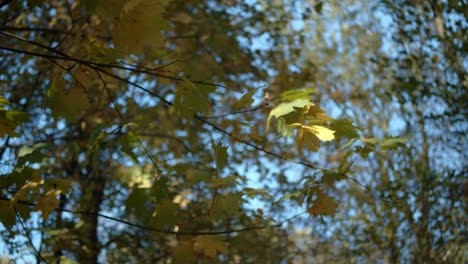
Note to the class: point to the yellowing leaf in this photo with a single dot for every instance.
(184, 253)
(286, 108)
(210, 245)
(47, 203)
(321, 132)
(323, 205)
(140, 24)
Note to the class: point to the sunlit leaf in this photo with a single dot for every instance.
(321, 132)
(286, 108)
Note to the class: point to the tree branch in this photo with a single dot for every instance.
(164, 231)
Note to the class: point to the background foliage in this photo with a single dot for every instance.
(233, 131)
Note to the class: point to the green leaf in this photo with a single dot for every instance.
(245, 101)
(7, 214)
(32, 154)
(136, 28)
(9, 120)
(69, 103)
(228, 205)
(165, 214)
(210, 245)
(7, 126)
(135, 203)
(344, 128)
(221, 155)
(290, 195)
(252, 192)
(191, 99)
(3, 101)
(292, 95)
(127, 143)
(393, 142)
(286, 108)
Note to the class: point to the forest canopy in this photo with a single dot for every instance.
(227, 131)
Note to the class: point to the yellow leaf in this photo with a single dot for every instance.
(323, 205)
(323, 133)
(47, 203)
(210, 245)
(286, 108)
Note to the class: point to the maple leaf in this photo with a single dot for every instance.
(210, 245)
(323, 205)
(47, 203)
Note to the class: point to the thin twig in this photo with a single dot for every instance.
(235, 113)
(29, 236)
(123, 120)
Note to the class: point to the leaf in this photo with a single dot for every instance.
(227, 206)
(225, 182)
(7, 214)
(32, 154)
(138, 24)
(47, 203)
(184, 253)
(221, 155)
(190, 99)
(69, 103)
(252, 192)
(371, 141)
(286, 108)
(165, 214)
(292, 95)
(89, 5)
(310, 141)
(315, 114)
(393, 142)
(7, 126)
(135, 203)
(323, 205)
(210, 245)
(330, 177)
(290, 195)
(245, 101)
(9, 120)
(127, 143)
(321, 132)
(3, 101)
(344, 128)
